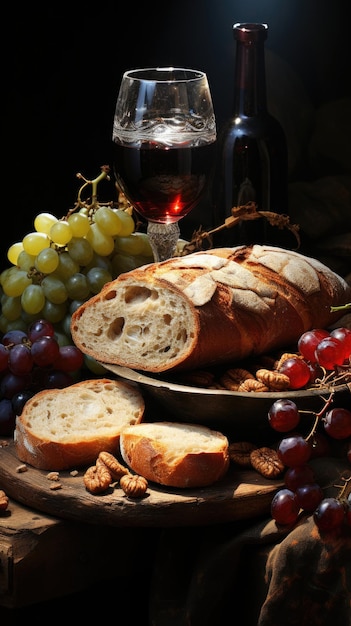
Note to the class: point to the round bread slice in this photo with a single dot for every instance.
(174, 454)
(67, 428)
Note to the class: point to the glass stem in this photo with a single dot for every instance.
(163, 239)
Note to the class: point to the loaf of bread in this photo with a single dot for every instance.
(208, 308)
(175, 455)
(67, 428)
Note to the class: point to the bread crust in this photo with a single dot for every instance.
(67, 447)
(208, 308)
(164, 462)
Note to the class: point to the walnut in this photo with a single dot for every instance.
(228, 383)
(273, 380)
(198, 378)
(266, 462)
(239, 452)
(251, 384)
(115, 468)
(97, 478)
(239, 374)
(4, 501)
(134, 486)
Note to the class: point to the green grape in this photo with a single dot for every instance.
(54, 289)
(54, 313)
(14, 282)
(61, 233)
(74, 305)
(47, 260)
(128, 225)
(66, 325)
(28, 318)
(94, 366)
(67, 266)
(14, 251)
(25, 261)
(34, 242)
(97, 278)
(62, 338)
(123, 263)
(108, 221)
(6, 325)
(33, 299)
(78, 287)
(146, 249)
(101, 243)
(133, 244)
(11, 307)
(43, 222)
(79, 224)
(99, 261)
(80, 250)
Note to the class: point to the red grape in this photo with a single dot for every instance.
(294, 450)
(283, 415)
(297, 371)
(4, 358)
(7, 417)
(344, 335)
(309, 341)
(294, 477)
(70, 359)
(20, 359)
(337, 423)
(284, 507)
(14, 337)
(329, 515)
(45, 350)
(40, 328)
(309, 496)
(329, 353)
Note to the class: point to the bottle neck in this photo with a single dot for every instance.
(250, 97)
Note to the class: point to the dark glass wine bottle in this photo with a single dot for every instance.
(252, 156)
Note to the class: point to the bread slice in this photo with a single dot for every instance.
(174, 454)
(67, 428)
(208, 308)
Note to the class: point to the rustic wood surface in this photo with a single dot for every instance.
(242, 494)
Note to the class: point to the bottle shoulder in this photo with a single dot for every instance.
(257, 127)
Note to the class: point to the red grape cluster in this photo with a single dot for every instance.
(320, 352)
(29, 362)
(301, 492)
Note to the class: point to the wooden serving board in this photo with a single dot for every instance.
(242, 494)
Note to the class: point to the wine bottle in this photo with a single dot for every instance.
(252, 157)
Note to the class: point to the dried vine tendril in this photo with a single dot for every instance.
(243, 213)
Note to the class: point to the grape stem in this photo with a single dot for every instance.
(319, 415)
(105, 170)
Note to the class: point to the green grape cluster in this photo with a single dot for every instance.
(64, 262)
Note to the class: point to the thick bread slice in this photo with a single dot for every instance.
(208, 308)
(67, 428)
(176, 455)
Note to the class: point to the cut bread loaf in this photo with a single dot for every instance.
(208, 308)
(175, 455)
(67, 428)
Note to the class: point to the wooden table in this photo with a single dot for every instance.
(241, 494)
(69, 529)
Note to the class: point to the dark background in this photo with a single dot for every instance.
(62, 67)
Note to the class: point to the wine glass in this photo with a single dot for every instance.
(164, 135)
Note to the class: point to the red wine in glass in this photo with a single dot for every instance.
(163, 184)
